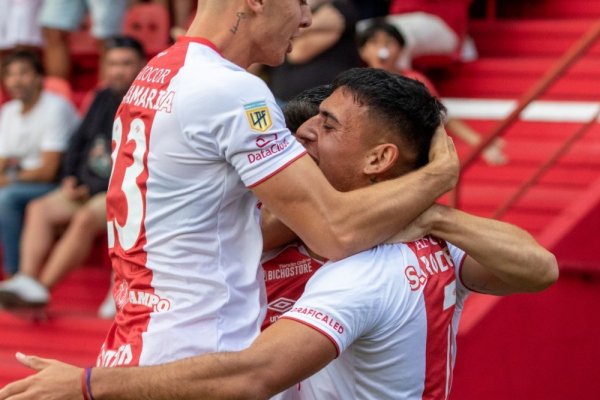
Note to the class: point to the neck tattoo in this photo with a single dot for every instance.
(240, 16)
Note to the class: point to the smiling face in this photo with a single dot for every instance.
(337, 139)
(279, 22)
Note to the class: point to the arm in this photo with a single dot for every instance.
(335, 224)
(46, 172)
(256, 373)
(326, 29)
(501, 258)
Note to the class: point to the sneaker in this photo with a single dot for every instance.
(23, 291)
(108, 308)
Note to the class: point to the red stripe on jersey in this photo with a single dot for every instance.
(286, 275)
(126, 199)
(437, 268)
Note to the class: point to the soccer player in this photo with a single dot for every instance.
(389, 313)
(195, 139)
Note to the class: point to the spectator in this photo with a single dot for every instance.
(59, 17)
(79, 204)
(321, 51)
(34, 131)
(431, 28)
(382, 45)
(181, 12)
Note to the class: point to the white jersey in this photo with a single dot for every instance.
(192, 134)
(47, 127)
(392, 313)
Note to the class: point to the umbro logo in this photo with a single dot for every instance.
(281, 305)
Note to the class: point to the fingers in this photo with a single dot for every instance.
(12, 390)
(33, 362)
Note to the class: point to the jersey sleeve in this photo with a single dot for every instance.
(245, 125)
(339, 301)
(458, 257)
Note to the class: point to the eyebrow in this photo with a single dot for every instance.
(329, 115)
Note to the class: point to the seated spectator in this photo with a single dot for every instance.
(382, 45)
(322, 50)
(59, 17)
(35, 127)
(431, 28)
(19, 26)
(78, 206)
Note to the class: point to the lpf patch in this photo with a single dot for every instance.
(258, 116)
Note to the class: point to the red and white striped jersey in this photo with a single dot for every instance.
(286, 272)
(392, 313)
(192, 134)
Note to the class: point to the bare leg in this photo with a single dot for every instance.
(43, 217)
(57, 58)
(75, 244)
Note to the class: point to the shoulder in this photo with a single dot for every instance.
(55, 103)
(10, 107)
(368, 271)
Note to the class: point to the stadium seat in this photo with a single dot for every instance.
(149, 23)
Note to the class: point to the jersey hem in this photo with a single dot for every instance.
(322, 332)
(272, 174)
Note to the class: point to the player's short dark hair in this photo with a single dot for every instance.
(125, 42)
(405, 106)
(380, 25)
(24, 56)
(305, 106)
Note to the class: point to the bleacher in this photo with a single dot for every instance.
(538, 346)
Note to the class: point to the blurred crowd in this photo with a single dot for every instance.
(55, 158)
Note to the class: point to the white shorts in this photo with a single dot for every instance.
(66, 15)
(19, 23)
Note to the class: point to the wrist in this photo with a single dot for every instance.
(443, 177)
(438, 219)
(86, 387)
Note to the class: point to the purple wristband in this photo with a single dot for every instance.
(88, 386)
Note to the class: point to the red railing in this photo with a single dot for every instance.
(553, 74)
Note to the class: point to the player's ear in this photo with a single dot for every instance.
(381, 159)
(255, 5)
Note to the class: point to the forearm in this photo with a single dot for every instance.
(379, 211)
(217, 376)
(342, 224)
(506, 251)
(325, 30)
(36, 175)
